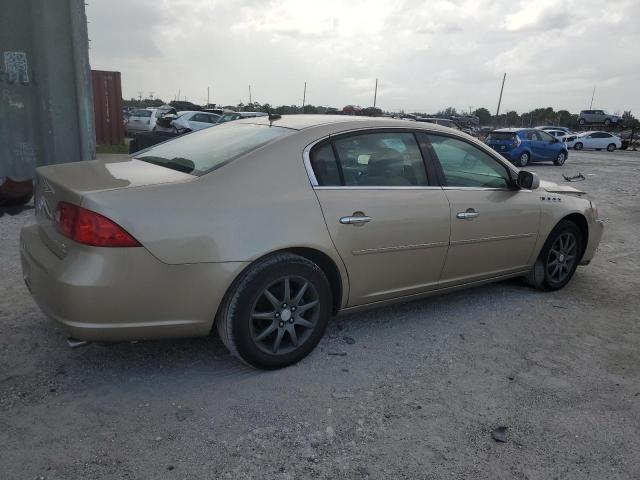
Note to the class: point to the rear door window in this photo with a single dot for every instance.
(386, 159)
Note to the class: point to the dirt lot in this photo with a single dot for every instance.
(415, 395)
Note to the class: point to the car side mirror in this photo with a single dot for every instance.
(527, 180)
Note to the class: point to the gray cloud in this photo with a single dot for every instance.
(427, 55)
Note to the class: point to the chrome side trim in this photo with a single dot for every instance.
(492, 239)
(370, 251)
(485, 189)
(364, 187)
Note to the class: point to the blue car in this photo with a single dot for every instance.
(522, 146)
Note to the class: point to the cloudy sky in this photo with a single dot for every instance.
(427, 54)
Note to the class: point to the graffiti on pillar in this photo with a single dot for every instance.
(16, 68)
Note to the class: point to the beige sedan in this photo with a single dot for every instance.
(264, 228)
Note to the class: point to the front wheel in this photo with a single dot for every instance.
(560, 159)
(277, 312)
(582, 121)
(558, 259)
(611, 147)
(578, 146)
(523, 161)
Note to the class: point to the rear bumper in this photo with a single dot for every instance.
(116, 294)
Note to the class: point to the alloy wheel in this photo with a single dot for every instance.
(524, 159)
(562, 257)
(561, 158)
(284, 315)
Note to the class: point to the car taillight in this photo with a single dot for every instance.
(91, 228)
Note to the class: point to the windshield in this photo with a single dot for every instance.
(501, 136)
(204, 151)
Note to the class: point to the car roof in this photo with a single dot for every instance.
(341, 122)
(509, 130)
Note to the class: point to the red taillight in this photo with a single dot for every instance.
(91, 228)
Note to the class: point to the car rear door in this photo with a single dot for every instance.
(388, 219)
(494, 226)
(550, 146)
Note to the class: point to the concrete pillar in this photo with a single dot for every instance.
(46, 106)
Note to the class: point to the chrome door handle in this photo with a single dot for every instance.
(355, 220)
(470, 214)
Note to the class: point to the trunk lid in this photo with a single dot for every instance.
(70, 182)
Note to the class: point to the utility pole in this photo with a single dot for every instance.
(592, 95)
(304, 96)
(250, 102)
(375, 94)
(207, 96)
(140, 96)
(500, 99)
(178, 94)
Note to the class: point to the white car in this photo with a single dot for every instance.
(595, 141)
(194, 121)
(141, 120)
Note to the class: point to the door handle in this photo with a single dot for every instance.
(470, 214)
(355, 220)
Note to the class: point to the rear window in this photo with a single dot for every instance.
(204, 151)
(141, 113)
(501, 136)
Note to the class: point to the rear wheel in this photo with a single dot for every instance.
(578, 146)
(558, 259)
(611, 147)
(523, 161)
(582, 121)
(277, 312)
(560, 159)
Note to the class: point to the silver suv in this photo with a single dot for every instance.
(597, 116)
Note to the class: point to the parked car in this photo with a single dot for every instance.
(185, 122)
(598, 116)
(230, 116)
(141, 120)
(262, 229)
(596, 141)
(561, 135)
(445, 122)
(524, 145)
(551, 127)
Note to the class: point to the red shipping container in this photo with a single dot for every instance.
(107, 107)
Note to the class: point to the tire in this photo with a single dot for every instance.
(560, 159)
(581, 121)
(547, 275)
(611, 147)
(524, 159)
(607, 121)
(245, 323)
(578, 146)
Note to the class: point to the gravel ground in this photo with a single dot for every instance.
(411, 391)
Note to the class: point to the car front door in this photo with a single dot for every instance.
(388, 219)
(494, 226)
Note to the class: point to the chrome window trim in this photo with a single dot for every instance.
(306, 157)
